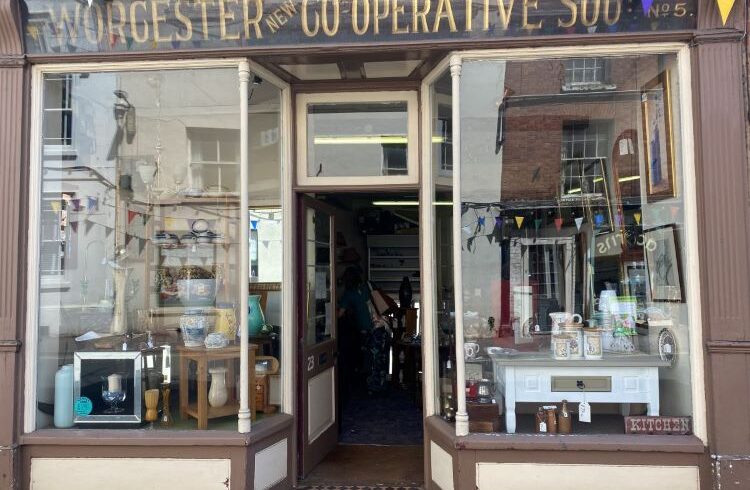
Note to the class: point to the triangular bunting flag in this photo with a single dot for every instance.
(145, 218)
(480, 221)
(618, 219)
(499, 222)
(108, 230)
(558, 223)
(599, 219)
(131, 216)
(646, 4)
(128, 239)
(74, 226)
(579, 222)
(92, 204)
(253, 224)
(76, 204)
(56, 206)
(637, 217)
(537, 224)
(519, 221)
(89, 225)
(141, 245)
(725, 7)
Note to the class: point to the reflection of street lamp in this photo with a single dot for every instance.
(84, 282)
(147, 171)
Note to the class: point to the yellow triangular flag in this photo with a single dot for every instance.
(519, 221)
(637, 217)
(56, 206)
(725, 7)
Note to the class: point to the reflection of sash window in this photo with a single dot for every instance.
(583, 159)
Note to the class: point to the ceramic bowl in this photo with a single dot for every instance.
(216, 340)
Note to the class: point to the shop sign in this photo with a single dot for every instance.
(657, 425)
(81, 26)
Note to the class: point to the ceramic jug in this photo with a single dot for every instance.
(255, 318)
(217, 394)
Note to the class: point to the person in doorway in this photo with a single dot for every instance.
(355, 323)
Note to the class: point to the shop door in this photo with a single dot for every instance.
(318, 431)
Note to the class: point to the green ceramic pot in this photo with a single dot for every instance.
(255, 319)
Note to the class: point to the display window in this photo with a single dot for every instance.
(577, 296)
(137, 261)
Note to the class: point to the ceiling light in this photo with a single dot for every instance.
(629, 178)
(361, 140)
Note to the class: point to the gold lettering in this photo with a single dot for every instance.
(486, 24)
(138, 37)
(93, 35)
(288, 8)
(448, 14)
(185, 21)
(618, 10)
(280, 17)
(679, 9)
(469, 13)
(360, 30)
(111, 26)
(226, 14)
(378, 16)
(305, 26)
(526, 5)
(505, 14)
(397, 8)
(156, 18)
(573, 7)
(254, 21)
(272, 25)
(420, 16)
(330, 30)
(594, 16)
(64, 26)
(204, 15)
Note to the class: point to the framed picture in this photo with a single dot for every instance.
(637, 282)
(656, 105)
(107, 387)
(663, 264)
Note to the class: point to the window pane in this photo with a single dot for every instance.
(579, 280)
(140, 245)
(357, 139)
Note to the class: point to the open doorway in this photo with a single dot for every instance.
(368, 310)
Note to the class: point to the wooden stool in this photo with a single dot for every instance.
(202, 356)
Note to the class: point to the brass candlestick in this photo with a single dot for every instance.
(166, 414)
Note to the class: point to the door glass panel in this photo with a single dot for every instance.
(360, 139)
(319, 326)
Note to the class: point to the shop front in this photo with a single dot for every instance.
(537, 206)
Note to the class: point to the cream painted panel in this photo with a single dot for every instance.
(523, 476)
(270, 465)
(321, 406)
(441, 467)
(129, 473)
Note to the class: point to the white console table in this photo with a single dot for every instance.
(623, 379)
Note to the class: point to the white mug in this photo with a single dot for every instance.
(471, 349)
(563, 318)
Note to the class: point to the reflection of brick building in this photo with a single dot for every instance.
(546, 107)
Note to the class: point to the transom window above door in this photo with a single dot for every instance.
(357, 138)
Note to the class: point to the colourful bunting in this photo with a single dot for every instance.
(646, 4)
(579, 222)
(128, 239)
(598, 219)
(92, 204)
(558, 223)
(637, 217)
(56, 206)
(131, 216)
(618, 219)
(725, 8)
(519, 221)
(108, 231)
(537, 224)
(141, 245)
(76, 204)
(89, 225)
(74, 226)
(145, 217)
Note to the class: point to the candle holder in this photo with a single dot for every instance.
(114, 392)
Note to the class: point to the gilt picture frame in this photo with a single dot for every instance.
(658, 144)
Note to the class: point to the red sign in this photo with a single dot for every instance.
(658, 425)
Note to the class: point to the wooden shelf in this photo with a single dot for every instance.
(231, 408)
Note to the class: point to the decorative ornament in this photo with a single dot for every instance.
(725, 8)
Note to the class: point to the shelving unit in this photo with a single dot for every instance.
(390, 258)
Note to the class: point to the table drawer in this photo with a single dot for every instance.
(582, 383)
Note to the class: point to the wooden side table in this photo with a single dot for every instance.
(201, 356)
